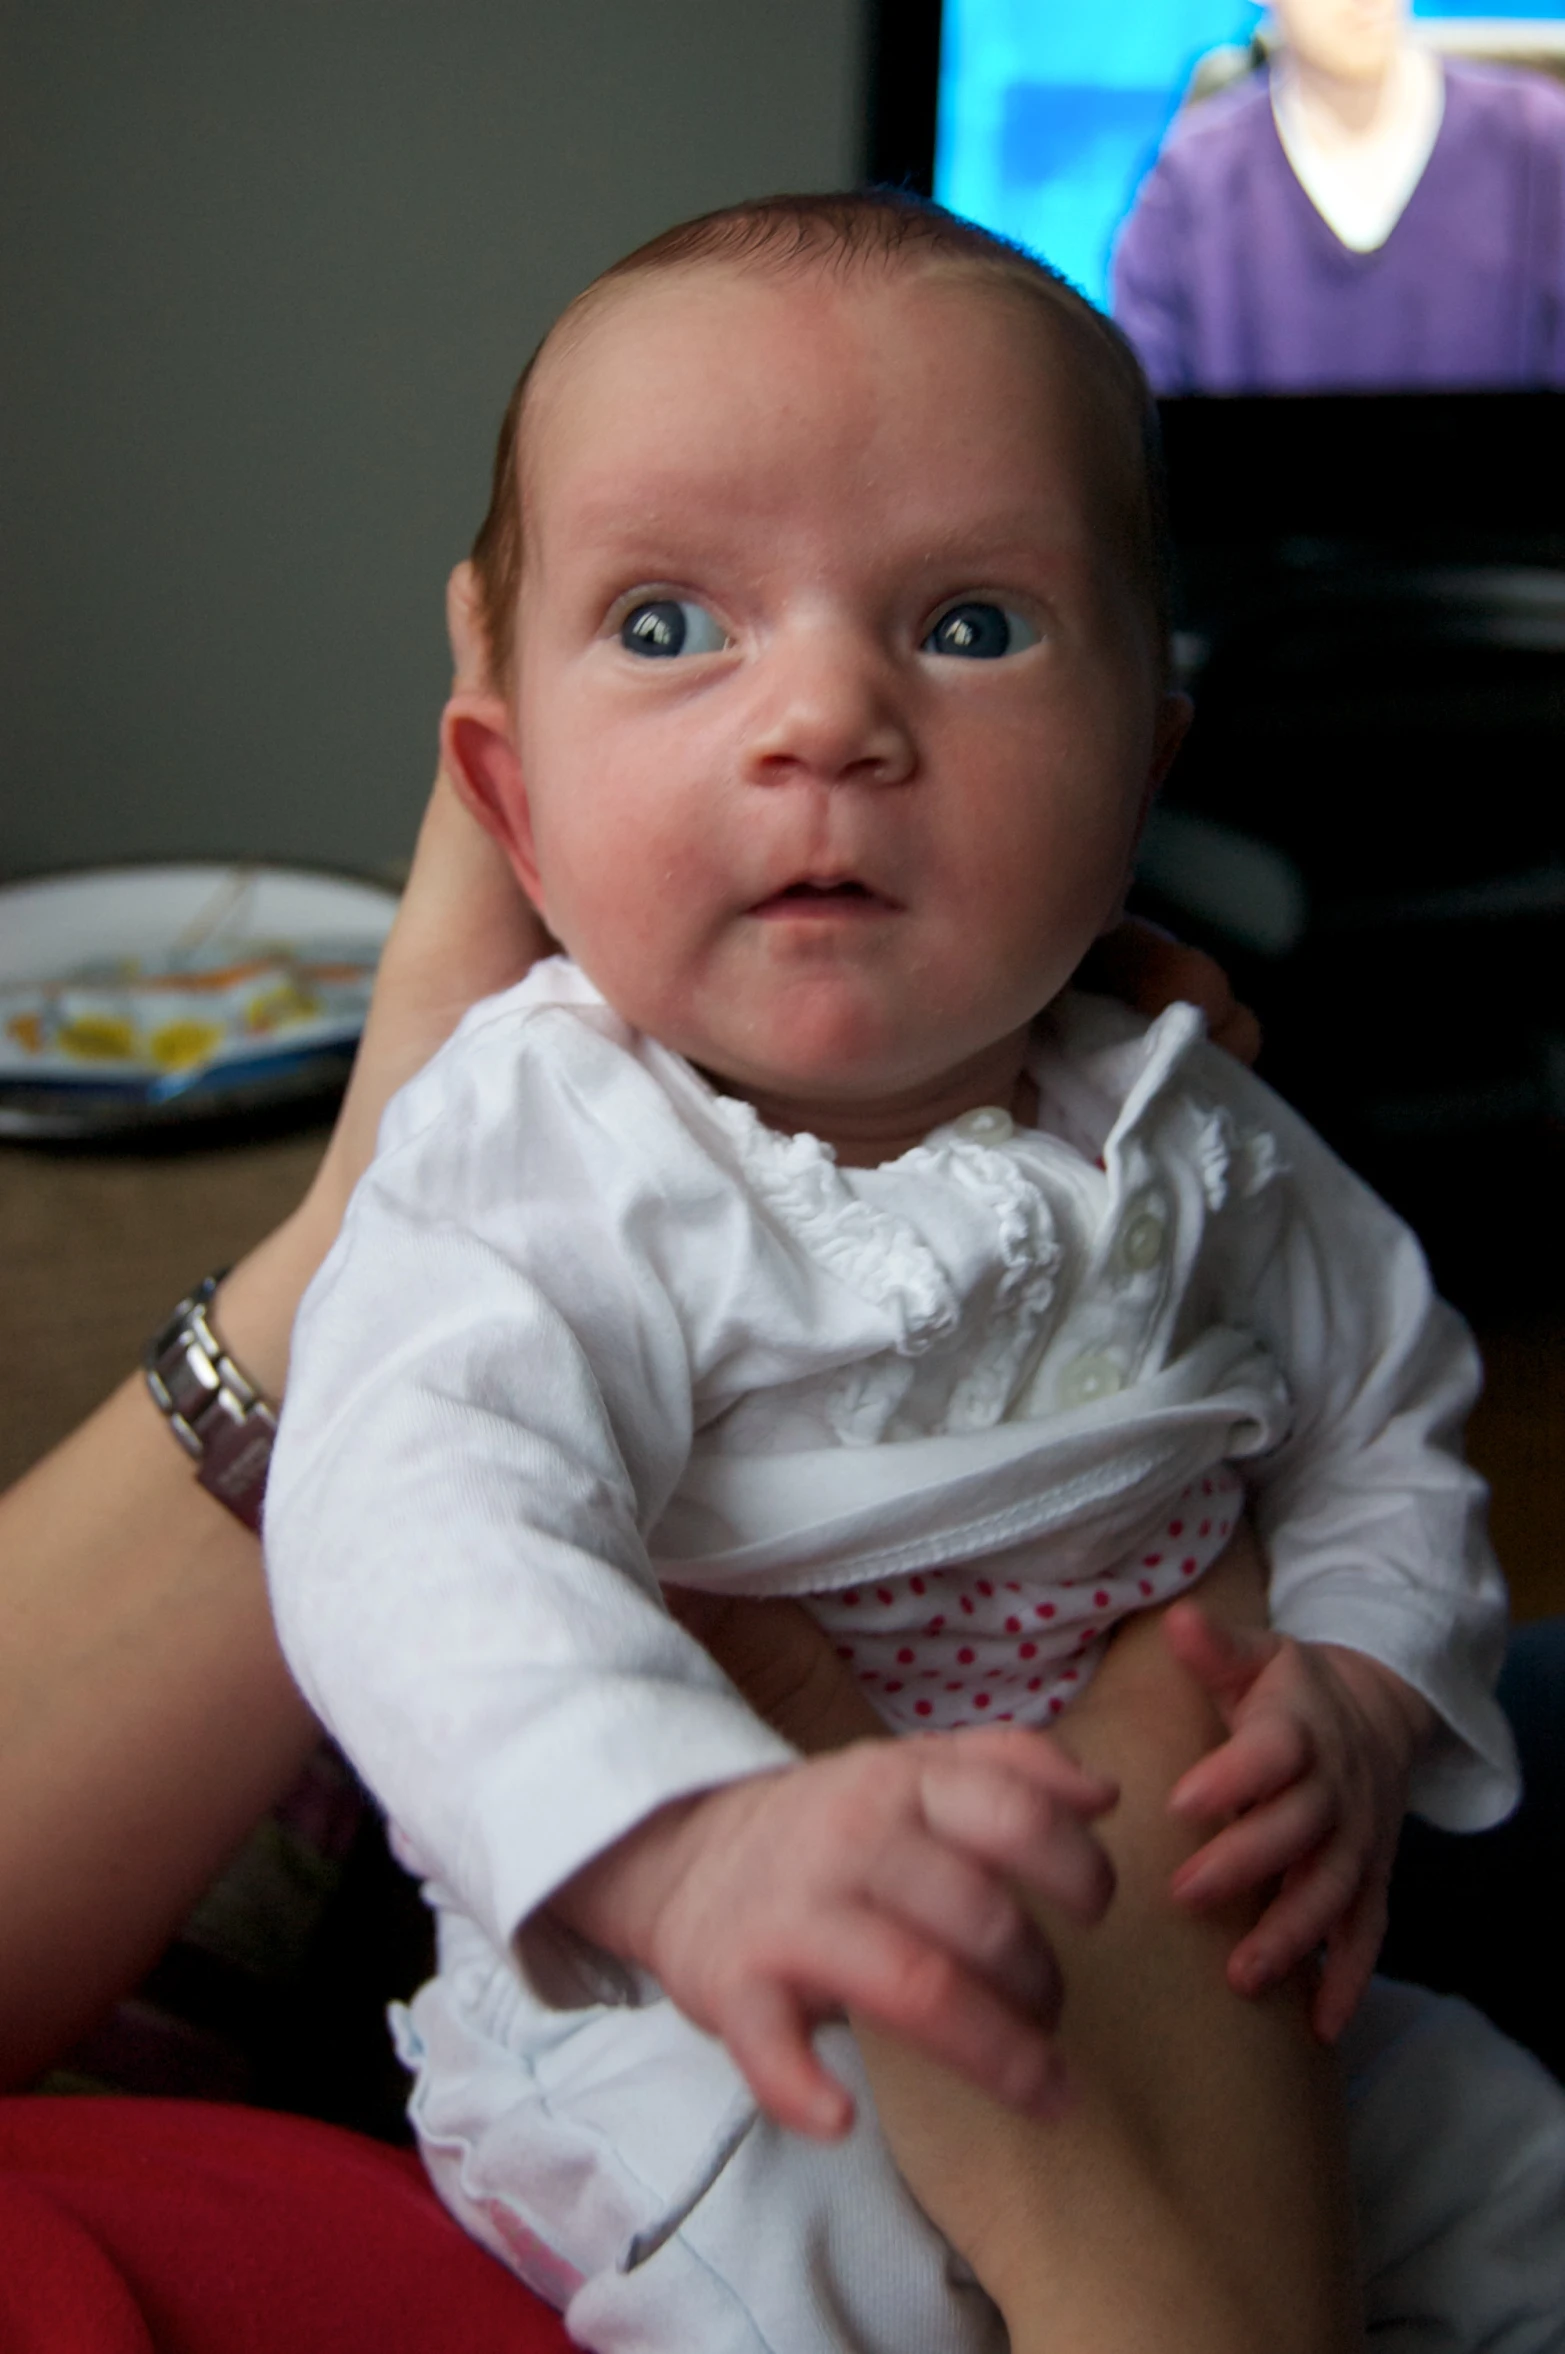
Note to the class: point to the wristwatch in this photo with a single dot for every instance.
(216, 1412)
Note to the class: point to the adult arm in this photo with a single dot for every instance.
(146, 1717)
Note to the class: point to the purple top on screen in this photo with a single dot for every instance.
(1227, 279)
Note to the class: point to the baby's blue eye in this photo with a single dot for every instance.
(980, 633)
(671, 625)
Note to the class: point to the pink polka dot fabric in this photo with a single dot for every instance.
(951, 1647)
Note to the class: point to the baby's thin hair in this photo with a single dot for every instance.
(870, 228)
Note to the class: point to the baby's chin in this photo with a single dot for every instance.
(873, 1107)
(807, 1055)
(842, 1054)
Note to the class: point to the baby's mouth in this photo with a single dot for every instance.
(834, 896)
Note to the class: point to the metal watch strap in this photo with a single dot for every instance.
(216, 1412)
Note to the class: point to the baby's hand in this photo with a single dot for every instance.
(873, 1879)
(1312, 1786)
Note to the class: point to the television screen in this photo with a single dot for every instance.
(1364, 823)
(1174, 156)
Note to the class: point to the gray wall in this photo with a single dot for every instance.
(268, 270)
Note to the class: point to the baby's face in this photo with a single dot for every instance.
(835, 720)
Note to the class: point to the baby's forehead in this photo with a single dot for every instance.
(700, 316)
(713, 334)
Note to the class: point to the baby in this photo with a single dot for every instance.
(798, 1233)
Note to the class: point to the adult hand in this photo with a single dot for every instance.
(462, 932)
(146, 1718)
(1149, 969)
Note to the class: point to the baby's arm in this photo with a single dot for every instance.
(462, 1582)
(1375, 1683)
(877, 1879)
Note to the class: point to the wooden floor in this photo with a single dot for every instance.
(94, 1251)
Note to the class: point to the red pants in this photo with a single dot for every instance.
(181, 2227)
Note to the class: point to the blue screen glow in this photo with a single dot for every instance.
(1050, 115)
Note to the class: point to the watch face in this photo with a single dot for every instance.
(152, 997)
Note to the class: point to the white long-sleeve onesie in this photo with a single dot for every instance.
(589, 1326)
(589, 1322)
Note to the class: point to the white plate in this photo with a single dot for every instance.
(56, 923)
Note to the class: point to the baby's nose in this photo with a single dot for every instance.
(833, 712)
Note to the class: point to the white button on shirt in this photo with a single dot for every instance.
(988, 1123)
(1143, 1241)
(1092, 1375)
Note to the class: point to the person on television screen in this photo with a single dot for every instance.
(1364, 215)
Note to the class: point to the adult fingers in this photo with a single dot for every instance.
(1238, 1033)
(470, 666)
(462, 931)
(1146, 966)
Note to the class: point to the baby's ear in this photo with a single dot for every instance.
(478, 753)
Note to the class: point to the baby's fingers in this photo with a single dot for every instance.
(1039, 1759)
(767, 2031)
(900, 1983)
(1259, 1847)
(1316, 1896)
(968, 1910)
(1226, 1660)
(1270, 1751)
(1352, 1950)
(1018, 1827)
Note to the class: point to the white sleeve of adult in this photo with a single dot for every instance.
(488, 1405)
(1373, 1522)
